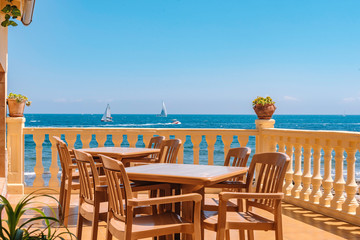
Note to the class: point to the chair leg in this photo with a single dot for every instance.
(228, 234)
(108, 234)
(278, 232)
(241, 234)
(250, 234)
(95, 222)
(67, 205)
(79, 226)
(61, 197)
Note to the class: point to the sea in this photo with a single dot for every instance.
(306, 122)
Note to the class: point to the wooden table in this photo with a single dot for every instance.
(124, 154)
(193, 178)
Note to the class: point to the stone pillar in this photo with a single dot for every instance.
(15, 147)
(262, 145)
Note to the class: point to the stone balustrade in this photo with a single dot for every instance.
(321, 176)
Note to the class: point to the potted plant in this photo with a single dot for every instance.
(264, 107)
(16, 103)
(18, 223)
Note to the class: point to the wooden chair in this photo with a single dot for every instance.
(93, 205)
(236, 157)
(69, 178)
(155, 142)
(266, 196)
(123, 224)
(168, 151)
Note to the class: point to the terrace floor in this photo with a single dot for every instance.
(298, 223)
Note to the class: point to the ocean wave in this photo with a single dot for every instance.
(138, 124)
(33, 121)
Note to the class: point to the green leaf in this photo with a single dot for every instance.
(7, 17)
(15, 12)
(12, 23)
(6, 9)
(4, 23)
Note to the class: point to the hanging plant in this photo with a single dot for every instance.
(11, 12)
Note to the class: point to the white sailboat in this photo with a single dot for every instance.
(107, 115)
(163, 111)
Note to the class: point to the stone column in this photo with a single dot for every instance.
(261, 144)
(15, 147)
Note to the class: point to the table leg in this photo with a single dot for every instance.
(187, 207)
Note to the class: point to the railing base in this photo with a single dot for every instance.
(15, 188)
(353, 219)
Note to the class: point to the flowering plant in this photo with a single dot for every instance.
(19, 98)
(263, 101)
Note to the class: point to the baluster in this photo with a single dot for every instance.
(101, 139)
(339, 182)
(39, 168)
(306, 177)
(196, 140)
(211, 140)
(227, 140)
(316, 178)
(180, 158)
(272, 144)
(117, 139)
(146, 139)
(243, 140)
(70, 139)
(86, 139)
(54, 168)
(132, 139)
(288, 186)
(327, 182)
(281, 145)
(350, 204)
(295, 192)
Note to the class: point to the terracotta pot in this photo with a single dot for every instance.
(264, 111)
(16, 109)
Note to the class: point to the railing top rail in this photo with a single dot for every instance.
(29, 130)
(315, 134)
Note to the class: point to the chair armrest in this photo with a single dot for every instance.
(231, 195)
(191, 197)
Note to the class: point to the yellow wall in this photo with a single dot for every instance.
(3, 48)
(3, 85)
(3, 42)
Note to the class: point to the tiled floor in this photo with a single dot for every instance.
(298, 223)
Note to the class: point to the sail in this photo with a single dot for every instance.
(107, 115)
(163, 110)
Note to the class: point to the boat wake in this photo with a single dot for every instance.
(139, 124)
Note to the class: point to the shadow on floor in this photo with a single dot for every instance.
(329, 224)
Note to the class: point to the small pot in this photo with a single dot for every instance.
(264, 111)
(16, 109)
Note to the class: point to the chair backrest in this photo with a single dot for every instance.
(270, 178)
(169, 150)
(89, 177)
(119, 189)
(64, 155)
(155, 142)
(237, 157)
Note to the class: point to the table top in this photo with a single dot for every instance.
(122, 152)
(205, 175)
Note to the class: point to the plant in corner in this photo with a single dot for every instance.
(264, 107)
(37, 227)
(16, 104)
(11, 12)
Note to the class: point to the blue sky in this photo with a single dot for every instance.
(199, 56)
